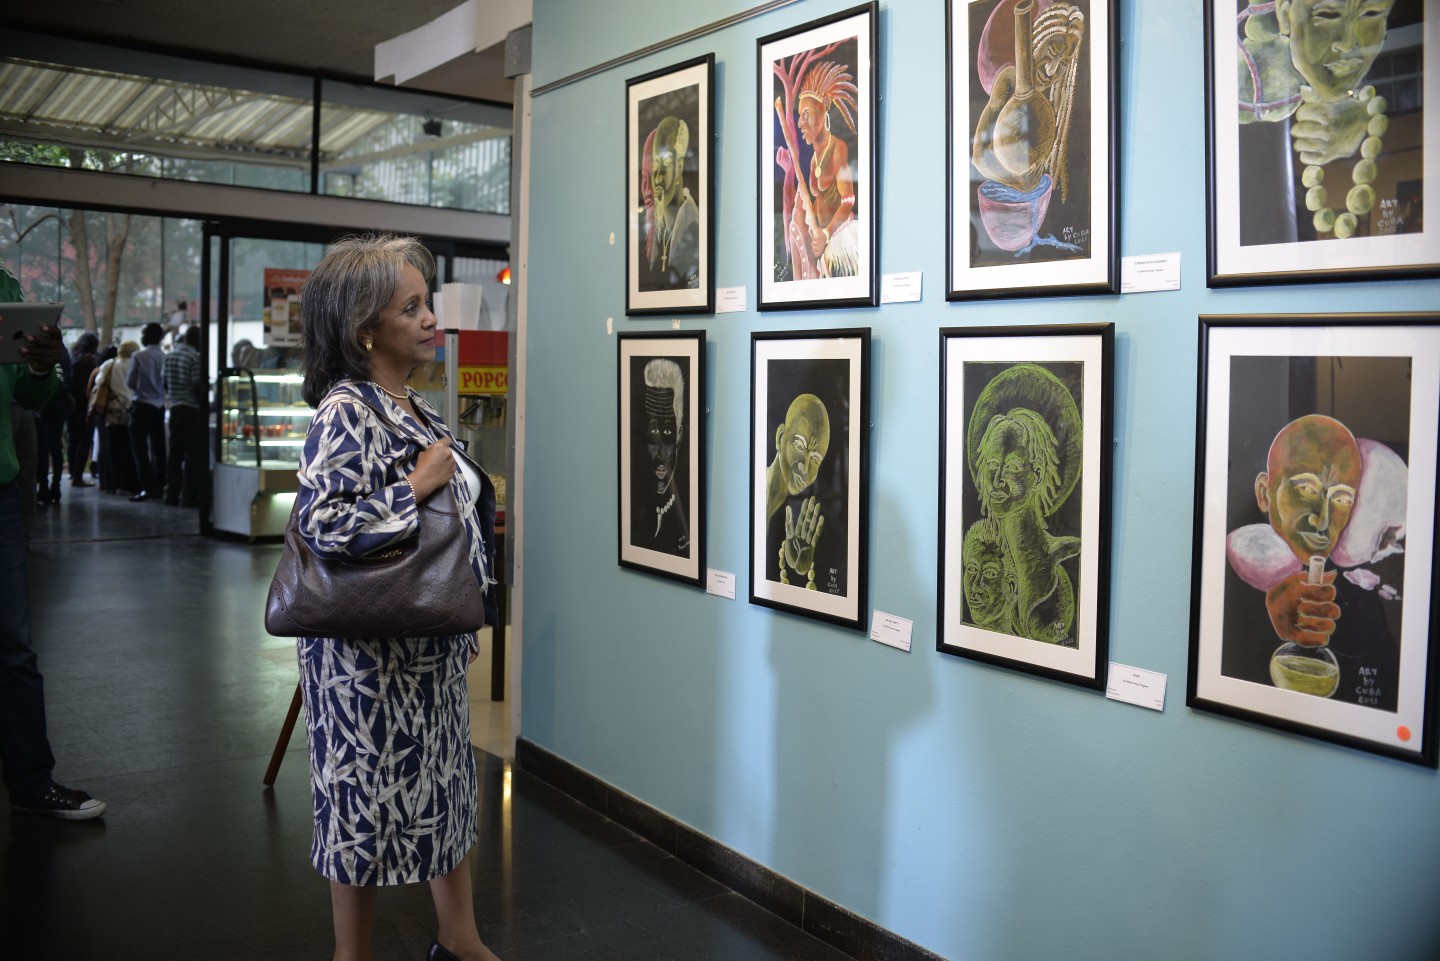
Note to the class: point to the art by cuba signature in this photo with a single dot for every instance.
(1023, 446)
(821, 237)
(1027, 60)
(1305, 63)
(800, 446)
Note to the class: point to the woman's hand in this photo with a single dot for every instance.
(433, 469)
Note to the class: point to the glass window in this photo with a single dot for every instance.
(407, 147)
(70, 103)
(133, 112)
(115, 272)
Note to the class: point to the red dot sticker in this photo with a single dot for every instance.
(1403, 733)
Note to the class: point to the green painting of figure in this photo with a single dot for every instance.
(1023, 458)
(1328, 136)
(806, 485)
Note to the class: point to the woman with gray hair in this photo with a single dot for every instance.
(392, 771)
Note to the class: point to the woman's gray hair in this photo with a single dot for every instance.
(343, 297)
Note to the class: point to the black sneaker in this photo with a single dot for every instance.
(62, 802)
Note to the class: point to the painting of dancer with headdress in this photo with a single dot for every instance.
(817, 163)
(1025, 486)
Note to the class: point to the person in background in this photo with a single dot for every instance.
(50, 437)
(392, 772)
(84, 359)
(111, 403)
(147, 413)
(185, 387)
(26, 761)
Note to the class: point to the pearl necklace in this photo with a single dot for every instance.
(388, 393)
(1361, 198)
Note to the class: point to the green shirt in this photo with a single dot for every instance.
(17, 382)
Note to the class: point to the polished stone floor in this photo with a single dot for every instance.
(165, 695)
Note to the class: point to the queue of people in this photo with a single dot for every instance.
(109, 419)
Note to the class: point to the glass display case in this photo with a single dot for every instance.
(260, 425)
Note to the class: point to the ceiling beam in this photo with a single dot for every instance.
(471, 27)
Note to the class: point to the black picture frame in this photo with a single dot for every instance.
(1031, 221)
(1315, 594)
(1270, 196)
(809, 473)
(660, 453)
(1024, 572)
(832, 62)
(670, 271)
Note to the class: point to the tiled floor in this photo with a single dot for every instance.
(165, 696)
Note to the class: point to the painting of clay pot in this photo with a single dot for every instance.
(1011, 217)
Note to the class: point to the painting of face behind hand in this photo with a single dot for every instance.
(807, 484)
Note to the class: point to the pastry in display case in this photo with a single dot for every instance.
(260, 423)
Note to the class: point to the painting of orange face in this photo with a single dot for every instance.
(1308, 488)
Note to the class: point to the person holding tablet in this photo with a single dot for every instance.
(26, 762)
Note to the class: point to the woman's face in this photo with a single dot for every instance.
(404, 336)
(1007, 477)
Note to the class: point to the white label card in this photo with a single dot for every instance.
(720, 583)
(900, 288)
(729, 299)
(891, 630)
(1149, 272)
(1135, 686)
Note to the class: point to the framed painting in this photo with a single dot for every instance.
(819, 202)
(809, 472)
(1025, 434)
(661, 444)
(1321, 140)
(1030, 113)
(1312, 608)
(670, 190)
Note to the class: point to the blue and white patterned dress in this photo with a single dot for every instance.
(392, 771)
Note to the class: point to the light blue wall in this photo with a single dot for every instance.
(983, 813)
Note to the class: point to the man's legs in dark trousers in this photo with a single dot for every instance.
(147, 435)
(187, 459)
(24, 747)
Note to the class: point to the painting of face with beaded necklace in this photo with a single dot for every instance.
(661, 442)
(1330, 126)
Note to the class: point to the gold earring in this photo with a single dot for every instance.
(369, 346)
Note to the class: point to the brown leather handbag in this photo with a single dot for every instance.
(421, 587)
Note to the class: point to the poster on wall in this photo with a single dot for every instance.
(819, 206)
(661, 446)
(809, 457)
(1314, 591)
(281, 313)
(670, 216)
(1323, 140)
(1025, 428)
(1031, 93)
